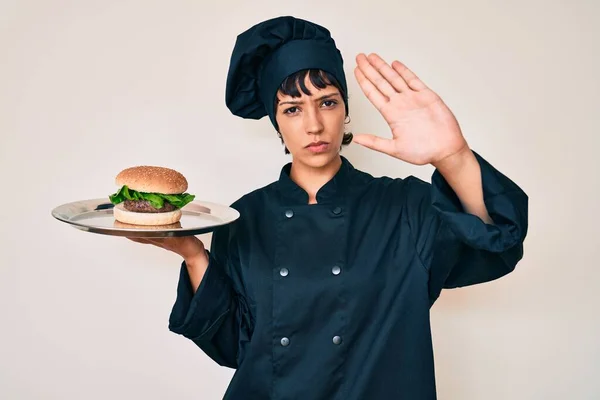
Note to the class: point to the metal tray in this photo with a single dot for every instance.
(96, 216)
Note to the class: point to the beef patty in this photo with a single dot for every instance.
(143, 206)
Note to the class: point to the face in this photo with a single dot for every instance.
(312, 126)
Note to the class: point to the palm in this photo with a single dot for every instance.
(423, 128)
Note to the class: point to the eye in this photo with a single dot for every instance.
(329, 103)
(291, 110)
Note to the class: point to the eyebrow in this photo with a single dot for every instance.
(296, 102)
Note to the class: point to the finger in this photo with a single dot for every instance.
(174, 244)
(146, 241)
(371, 73)
(375, 143)
(374, 95)
(409, 77)
(138, 240)
(160, 242)
(390, 74)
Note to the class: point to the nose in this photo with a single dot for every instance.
(313, 122)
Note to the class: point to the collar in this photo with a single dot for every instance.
(332, 191)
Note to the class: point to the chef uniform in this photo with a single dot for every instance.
(331, 301)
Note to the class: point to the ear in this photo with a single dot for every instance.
(286, 151)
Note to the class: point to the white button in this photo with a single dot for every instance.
(337, 340)
(289, 213)
(284, 272)
(285, 341)
(336, 270)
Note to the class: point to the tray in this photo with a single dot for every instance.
(96, 216)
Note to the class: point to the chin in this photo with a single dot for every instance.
(318, 160)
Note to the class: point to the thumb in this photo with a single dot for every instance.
(374, 143)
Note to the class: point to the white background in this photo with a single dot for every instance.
(89, 88)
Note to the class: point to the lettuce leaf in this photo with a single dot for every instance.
(157, 200)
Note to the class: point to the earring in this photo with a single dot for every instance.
(347, 121)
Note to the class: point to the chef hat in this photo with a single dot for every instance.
(269, 52)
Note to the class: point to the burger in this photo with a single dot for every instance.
(150, 196)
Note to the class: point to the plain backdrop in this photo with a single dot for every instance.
(88, 88)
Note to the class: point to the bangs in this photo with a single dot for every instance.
(295, 83)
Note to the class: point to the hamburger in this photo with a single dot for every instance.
(150, 195)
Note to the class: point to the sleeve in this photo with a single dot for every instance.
(457, 248)
(215, 317)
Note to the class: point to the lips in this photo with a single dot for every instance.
(318, 147)
(317, 144)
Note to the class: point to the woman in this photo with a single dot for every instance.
(322, 288)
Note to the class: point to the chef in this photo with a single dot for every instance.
(322, 289)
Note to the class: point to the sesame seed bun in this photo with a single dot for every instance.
(119, 224)
(136, 218)
(152, 179)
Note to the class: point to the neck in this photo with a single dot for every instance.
(311, 179)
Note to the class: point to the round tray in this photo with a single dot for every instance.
(96, 216)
